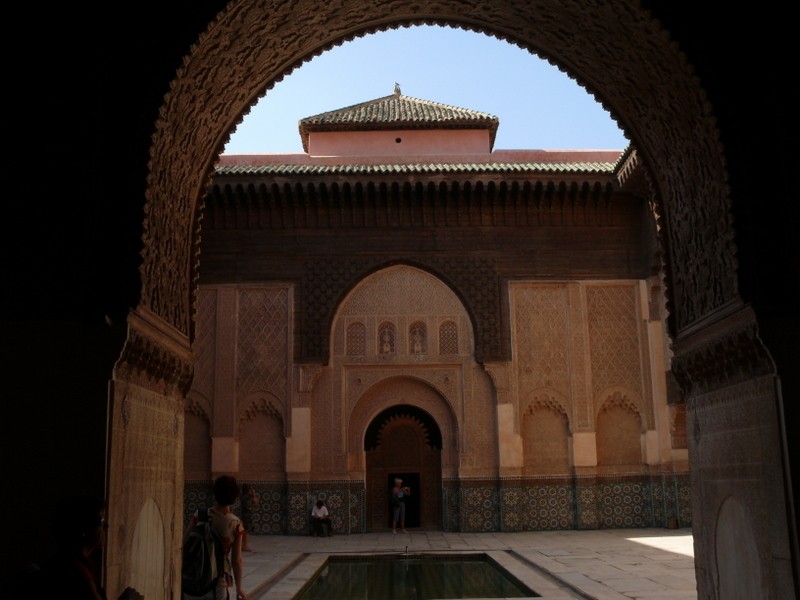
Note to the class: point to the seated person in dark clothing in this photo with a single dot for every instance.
(320, 519)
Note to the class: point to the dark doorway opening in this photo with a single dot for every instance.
(404, 441)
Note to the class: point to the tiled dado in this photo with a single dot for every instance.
(475, 505)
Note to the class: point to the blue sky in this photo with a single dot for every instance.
(538, 105)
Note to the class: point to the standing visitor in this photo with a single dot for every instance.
(399, 495)
(250, 503)
(230, 530)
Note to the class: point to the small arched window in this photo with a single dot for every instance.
(417, 338)
(387, 339)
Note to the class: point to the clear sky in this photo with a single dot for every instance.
(538, 105)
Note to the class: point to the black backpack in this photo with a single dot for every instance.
(202, 557)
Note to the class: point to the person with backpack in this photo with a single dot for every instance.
(212, 550)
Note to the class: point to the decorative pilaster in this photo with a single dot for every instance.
(145, 478)
(731, 391)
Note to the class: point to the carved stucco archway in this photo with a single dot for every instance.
(615, 50)
(402, 390)
(401, 393)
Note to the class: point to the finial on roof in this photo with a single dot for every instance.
(396, 89)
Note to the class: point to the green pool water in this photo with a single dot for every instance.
(404, 577)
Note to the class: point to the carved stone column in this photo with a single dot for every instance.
(145, 475)
(740, 517)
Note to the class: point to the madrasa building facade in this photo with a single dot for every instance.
(403, 300)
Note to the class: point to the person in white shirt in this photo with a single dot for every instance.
(321, 519)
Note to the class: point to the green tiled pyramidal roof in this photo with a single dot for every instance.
(398, 112)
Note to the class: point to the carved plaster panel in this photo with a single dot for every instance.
(541, 343)
(479, 421)
(197, 404)
(381, 315)
(204, 345)
(614, 337)
(580, 383)
(263, 341)
(401, 290)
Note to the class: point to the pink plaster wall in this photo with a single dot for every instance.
(399, 142)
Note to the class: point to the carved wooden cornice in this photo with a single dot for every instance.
(155, 356)
(265, 203)
(720, 353)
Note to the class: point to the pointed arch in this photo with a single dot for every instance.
(262, 439)
(402, 390)
(545, 435)
(619, 430)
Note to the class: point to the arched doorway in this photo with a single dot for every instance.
(404, 441)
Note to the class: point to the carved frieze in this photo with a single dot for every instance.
(155, 356)
(726, 352)
(446, 381)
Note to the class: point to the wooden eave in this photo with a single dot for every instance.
(479, 199)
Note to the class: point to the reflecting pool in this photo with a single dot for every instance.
(413, 577)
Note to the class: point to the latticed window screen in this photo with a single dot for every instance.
(356, 339)
(387, 338)
(417, 338)
(448, 338)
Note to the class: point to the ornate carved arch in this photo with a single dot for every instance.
(622, 398)
(260, 402)
(402, 390)
(548, 399)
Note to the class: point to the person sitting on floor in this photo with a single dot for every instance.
(321, 519)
